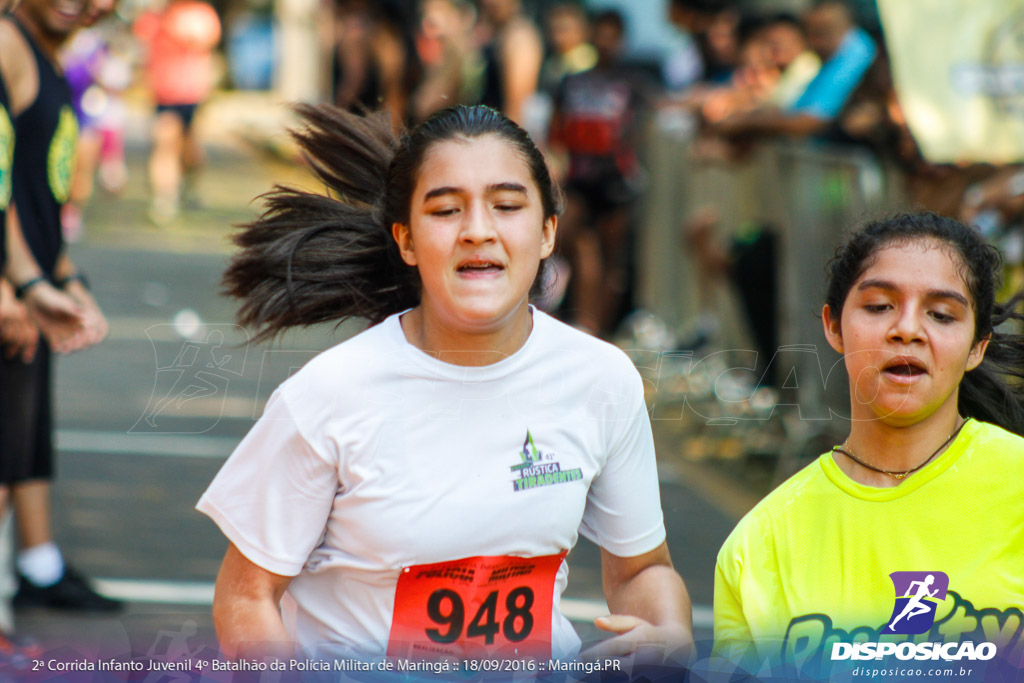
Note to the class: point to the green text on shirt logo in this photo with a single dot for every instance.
(539, 469)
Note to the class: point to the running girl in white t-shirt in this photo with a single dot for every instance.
(414, 490)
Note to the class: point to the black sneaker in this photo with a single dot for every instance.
(72, 592)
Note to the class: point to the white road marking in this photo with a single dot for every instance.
(167, 445)
(161, 592)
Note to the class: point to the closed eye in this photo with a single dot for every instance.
(444, 212)
(508, 208)
(876, 308)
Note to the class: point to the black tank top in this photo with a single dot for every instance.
(6, 159)
(44, 158)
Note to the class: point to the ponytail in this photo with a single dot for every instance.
(311, 258)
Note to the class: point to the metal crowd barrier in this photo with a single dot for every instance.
(811, 194)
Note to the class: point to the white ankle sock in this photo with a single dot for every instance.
(41, 564)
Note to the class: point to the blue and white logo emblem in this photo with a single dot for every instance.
(917, 597)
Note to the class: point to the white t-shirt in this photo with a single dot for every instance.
(377, 456)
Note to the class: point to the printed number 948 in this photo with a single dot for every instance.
(446, 608)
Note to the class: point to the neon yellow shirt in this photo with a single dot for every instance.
(810, 564)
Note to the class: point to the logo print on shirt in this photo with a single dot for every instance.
(61, 159)
(6, 157)
(539, 469)
(917, 596)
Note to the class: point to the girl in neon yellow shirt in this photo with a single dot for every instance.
(912, 529)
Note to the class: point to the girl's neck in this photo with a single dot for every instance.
(471, 348)
(896, 448)
(48, 44)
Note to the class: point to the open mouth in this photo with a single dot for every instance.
(69, 10)
(905, 368)
(480, 267)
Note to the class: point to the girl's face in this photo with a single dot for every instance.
(906, 333)
(477, 234)
(57, 19)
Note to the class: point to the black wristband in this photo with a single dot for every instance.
(21, 290)
(75, 276)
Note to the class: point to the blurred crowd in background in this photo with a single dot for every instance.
(589, 80)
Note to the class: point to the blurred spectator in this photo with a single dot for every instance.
(797, 64)
(568, 32)
(446, 50)
(98, 75)
(45, 133)
(995, 206)
(846, 52)
(682, 65)
(753, 79)
(571, 52)
(512, 53)
(998, 199)
(180, 73)
(251, 46)
(376, 65)
(596, 126)
(713, 24)
(775, 68)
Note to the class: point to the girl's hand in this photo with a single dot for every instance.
(59, 317)
(653, 622)
(17, 332)
(94, 324)
(635, 636)
(18, 335)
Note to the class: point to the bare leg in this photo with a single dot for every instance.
(192, 159)
(31, 502)
(165, 166)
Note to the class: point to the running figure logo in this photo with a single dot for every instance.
(917, 597)
(190, 390)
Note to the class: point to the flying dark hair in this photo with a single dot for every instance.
(985, 392)
(313, 258)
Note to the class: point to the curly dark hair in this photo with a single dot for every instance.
(991, 391)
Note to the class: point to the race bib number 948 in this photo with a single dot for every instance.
(475, 607)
